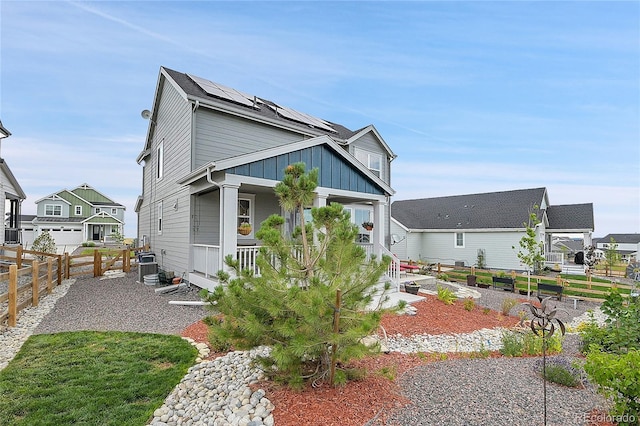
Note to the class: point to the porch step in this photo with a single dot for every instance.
(573, 269)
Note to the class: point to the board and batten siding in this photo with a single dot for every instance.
(174, 132)
(219, 136)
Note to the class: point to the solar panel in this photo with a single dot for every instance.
(223, 92)
(301, 117)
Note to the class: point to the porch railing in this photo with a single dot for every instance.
(554, 258)
(206, 259)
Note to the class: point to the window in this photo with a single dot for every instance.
(114, 211)
(358, 216)
(52, 210)
(372, 160)
(459, 239)
(78, 210)
(97, 209)
(160, 218)
(160, 156)
(245, 211)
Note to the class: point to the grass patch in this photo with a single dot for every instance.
(92, 378)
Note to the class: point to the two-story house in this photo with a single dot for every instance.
(212, 157)
(627, 245)
(74, 216)
(11, 197)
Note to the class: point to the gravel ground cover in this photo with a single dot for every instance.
(120, 304)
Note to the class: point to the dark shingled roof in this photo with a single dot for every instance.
(194, 90)
(571, 216)
(621, 238)
(493, 210)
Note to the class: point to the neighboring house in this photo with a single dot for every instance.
(11, 197)
(73, 217)
(569, 247)
(628, 245)
(212, 157)
(456, 229)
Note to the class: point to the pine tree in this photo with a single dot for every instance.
(291, 305)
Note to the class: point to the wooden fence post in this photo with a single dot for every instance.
(97, 263)
(35, 285)
(67, 267)
(439, 268)
(62, 273)
(19, 257)
(13, 295)
(49, 275)
(125, 260)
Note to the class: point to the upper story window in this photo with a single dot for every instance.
(459, 239)
(372, 160)
(52, 210)
(78, 210)
(97, 209)
(160, 156)
(114, 211)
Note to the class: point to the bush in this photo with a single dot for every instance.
(446, 296)
(469, 304)
(508, 303)
(44, 243)
(560, 370)
(519, 344)
(443, 277)
(618, 377)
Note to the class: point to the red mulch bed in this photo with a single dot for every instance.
(375, 395)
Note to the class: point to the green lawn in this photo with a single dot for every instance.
(92, 378)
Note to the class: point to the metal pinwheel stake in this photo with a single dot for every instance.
(542, 324)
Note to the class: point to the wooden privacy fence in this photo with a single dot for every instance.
(21, 295)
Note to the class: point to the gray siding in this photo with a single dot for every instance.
(173, 131)
(219, 136)
(41, 208)
(370, 143)
(206, 217)
(439, 247)
(400, 248)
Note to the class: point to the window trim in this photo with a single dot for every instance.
(359, 153)
(455, 240)
(78, 210)
(54, 207)
(251, 198)
(160, 158)
(114, 210)
(159, 220)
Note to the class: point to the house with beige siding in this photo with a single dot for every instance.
(475, 228)
(212, 157)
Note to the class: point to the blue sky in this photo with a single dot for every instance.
(472, 96)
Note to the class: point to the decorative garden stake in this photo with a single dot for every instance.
(542, 324)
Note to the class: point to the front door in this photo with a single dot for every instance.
(96, 233)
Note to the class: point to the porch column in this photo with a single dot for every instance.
(586, 237)
(320, 200)
(377, 235)
(228, 223)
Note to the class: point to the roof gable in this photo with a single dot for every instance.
(338, 169)
(493, 210)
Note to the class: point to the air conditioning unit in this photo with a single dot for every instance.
(146, 269)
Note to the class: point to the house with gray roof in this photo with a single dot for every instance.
(11, 198)
(74, 216)
(456, 229)
(627, 245)
(212, 157)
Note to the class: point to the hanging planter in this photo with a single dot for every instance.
(367, 225)
(244, 228)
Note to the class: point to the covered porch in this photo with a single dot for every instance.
(222, 203)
